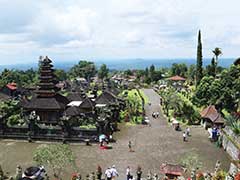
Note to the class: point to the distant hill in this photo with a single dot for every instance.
(123, 64)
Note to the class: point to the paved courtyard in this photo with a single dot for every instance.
(153, 146)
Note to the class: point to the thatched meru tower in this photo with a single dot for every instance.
(47, 103)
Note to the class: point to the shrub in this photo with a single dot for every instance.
(221, 175)
(234, 123)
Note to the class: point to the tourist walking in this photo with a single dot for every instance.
(188, 131)
(139, 173)
(130, 146)
(184, 137)
(99, 173)
(114, 172)
(108, 174)
(128, 173)
(154, 115)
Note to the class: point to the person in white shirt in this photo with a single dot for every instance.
(128, 173)
(184, 137)
(108, 173)
(114, 172)
(188, 131)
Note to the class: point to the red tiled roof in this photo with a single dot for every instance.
(12, 86)
(211, 113)
(177, 78)
(171, 169)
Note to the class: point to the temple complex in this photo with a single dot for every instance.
(50, 115)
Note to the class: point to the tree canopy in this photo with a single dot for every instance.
(55, 157)
(199, 69)
(103, 71)
(84, 69)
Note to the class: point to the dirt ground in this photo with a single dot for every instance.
(152, 145)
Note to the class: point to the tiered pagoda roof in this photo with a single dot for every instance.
(46, 97)
(46, 79)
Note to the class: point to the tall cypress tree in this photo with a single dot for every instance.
(199, 70)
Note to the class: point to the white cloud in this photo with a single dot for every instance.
(117, 28)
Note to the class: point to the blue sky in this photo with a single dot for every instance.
(95, 29)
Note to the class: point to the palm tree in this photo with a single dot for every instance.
(217, 52)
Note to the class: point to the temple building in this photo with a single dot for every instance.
(47, 103)
(211, 117)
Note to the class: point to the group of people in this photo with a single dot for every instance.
(111, 173)
(155, 115)
(186, 133)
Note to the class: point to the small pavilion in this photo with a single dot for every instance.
(211, 117)
(176, 81)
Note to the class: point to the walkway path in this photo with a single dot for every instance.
(153, 146)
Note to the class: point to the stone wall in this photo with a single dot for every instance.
(231, 143)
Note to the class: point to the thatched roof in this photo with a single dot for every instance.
(58, 102)
(212, 114)
(87, 103)
(106, 98)
(72, 111)
(75, 96)
(114, 91)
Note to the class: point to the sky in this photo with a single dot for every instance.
(116, 29)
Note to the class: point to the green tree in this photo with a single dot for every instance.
(217, 52)
(151, 72)
(223, 92)
(128, 72)
(22, 78)
(60, 74)
(191, 73)
(179, 69)
(157, 75)
(55, 157)
(199, 69)
(84, 69)
(147, 76)
(211, 69)
(103, 71)
(202, 93)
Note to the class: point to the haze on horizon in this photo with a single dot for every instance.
(79, 29)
